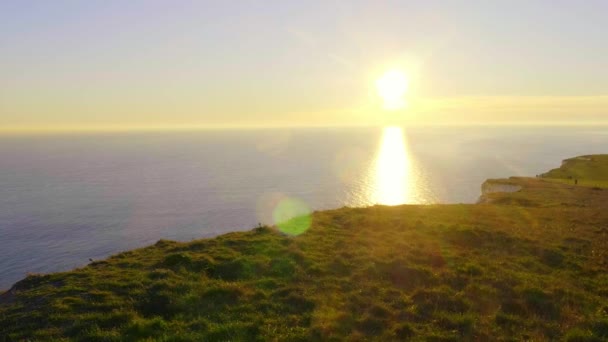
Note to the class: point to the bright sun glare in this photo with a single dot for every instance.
(393, 183)
(392, 87)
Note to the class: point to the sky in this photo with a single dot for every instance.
(185, 64)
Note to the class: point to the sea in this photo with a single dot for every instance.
(68, 198)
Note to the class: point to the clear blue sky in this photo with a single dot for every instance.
(238, 63)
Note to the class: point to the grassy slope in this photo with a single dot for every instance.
(531, 265)
(590, 170)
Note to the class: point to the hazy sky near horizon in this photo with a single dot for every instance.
(240, 63)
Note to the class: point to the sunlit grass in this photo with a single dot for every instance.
(590, 171)
(580, 182)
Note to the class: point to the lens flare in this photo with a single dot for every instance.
(292, 216)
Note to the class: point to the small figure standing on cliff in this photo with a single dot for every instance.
(575, 181)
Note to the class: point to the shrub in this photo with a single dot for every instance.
(160, 274)
(442, 299)
(505, 320)
(240, 268)
(221, 296)
(552, 257)
(471, 269)
(177, 260)
(579, 335)
(235, 332)
(600, 328)
(404, 331)
(407, 277)
(142, 328)
(370, 325)
(282, 267)
(463, 323)
(540, 303)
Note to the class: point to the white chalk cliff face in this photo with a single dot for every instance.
(489, 187)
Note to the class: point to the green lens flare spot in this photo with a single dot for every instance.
(292, 216)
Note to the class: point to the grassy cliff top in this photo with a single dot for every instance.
(589, 170)
(525, 265)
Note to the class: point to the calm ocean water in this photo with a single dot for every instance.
(67, 198)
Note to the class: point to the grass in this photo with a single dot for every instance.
(589, 170)
(527, 265)
(592, 183)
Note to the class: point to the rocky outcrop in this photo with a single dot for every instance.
(491, 186)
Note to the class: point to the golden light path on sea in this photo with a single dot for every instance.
(392, 169)
(394, 175)
(391, 176)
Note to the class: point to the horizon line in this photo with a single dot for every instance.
(17, 130)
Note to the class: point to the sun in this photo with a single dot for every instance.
(392, 88)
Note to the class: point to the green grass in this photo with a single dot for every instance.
(589, 170)
(581, 182)
(527, 265)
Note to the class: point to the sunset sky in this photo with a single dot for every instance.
(182, 64)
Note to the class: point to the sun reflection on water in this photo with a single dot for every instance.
(393, 174)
